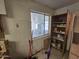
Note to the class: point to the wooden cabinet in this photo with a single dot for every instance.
(59, 30)
(2, 7)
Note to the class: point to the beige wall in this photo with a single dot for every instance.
(74, 9)
(2, 7)
(18, 12)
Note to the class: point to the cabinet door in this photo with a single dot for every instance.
(2, 7)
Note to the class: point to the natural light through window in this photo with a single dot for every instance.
(39, 24)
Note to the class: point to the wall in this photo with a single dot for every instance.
(2, 7)
(74, 9)
(17, 25)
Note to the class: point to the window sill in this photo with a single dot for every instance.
(40, 37)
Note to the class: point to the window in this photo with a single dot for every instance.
(39, 24)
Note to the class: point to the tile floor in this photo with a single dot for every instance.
(55, 54)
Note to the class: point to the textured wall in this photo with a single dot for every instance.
(2, 7)
(17, 25)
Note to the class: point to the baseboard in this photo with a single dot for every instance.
(38, 51)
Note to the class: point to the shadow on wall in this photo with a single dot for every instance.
(9, 14)
(13, 51)
(9, 10)
(4, 23)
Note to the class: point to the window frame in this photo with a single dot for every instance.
(45, 34)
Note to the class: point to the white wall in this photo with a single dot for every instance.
(2, 7)
(18, 12)
(74, 9)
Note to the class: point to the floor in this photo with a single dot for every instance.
(55, 54)
(74, 51)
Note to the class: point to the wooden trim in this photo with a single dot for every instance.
(38, 51)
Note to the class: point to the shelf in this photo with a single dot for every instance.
(58, 28)
(56, 48)
(60, 33)
(61, 26)
(60, 39)
(59, 22)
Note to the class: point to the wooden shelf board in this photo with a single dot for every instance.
(57, 48)
(60, 33)
(59, 22)
(59, 26)
(58, 39)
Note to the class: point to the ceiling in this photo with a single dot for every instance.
(55, 4)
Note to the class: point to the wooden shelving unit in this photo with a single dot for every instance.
(59, 26)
